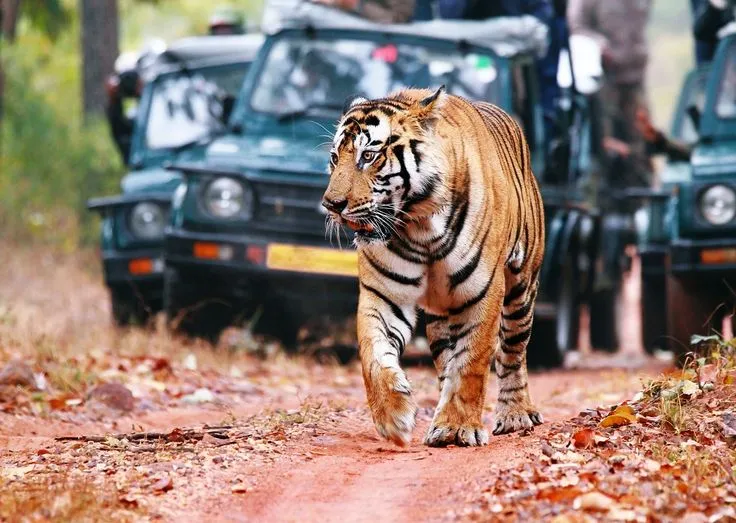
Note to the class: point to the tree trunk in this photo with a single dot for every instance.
(10, 10)
(99, 51)
(8, 23)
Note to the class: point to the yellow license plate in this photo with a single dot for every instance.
(312, 260)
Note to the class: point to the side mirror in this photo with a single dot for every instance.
(587, 65)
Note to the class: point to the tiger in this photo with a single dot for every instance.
(447, 218)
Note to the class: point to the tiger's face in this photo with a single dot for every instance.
(382, 173)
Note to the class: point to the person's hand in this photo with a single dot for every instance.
(350, 5)
(645, 127)
(616, 147)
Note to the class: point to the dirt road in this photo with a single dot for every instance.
(296, 442)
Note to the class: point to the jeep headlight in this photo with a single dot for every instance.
(227, 197)
(718, 204)
(147, 221)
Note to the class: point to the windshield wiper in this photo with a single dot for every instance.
(303, 111)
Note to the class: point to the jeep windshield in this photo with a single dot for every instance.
(726, 102)
(187, 106)
(308, 76)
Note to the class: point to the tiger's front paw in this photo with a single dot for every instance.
(392, 405)
(516, 417)
(442, 434)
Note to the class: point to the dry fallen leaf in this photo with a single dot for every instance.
(593, 501)
(583, 439)
(164, 484)
(623, 415)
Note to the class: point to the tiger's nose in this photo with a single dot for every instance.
(336, 206)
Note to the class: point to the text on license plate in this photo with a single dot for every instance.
(317, 260)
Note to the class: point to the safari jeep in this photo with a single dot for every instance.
(188, 93)
(687, 231)
(247, 226)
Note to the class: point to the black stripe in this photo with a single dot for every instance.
(395, 309)
(472, 301)
(515, 292)
(393, 139)
(517, 339)
(372, 120)
(519, 313)
(437, 347)
(424, 194)
(516, 388)
(389, 332)
(405, 254)
(463, 274)
(456, 228)
(431, 318)
(413, 145)
(509, 366)
(458, 336)
(398, 278)
(398, 150)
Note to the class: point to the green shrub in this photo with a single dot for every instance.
(51, 163)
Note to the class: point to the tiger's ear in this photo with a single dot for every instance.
(426, 106)
(352, 101)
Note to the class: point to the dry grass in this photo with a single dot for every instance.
(62, 500)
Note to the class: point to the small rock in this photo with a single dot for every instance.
(113, 395)
(17, 373)
(190, 362)
(199, 396)
(240, 488)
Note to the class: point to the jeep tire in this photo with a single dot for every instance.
(653, 307)
(191, 309)
(604, 319)
(553, 337)
(129, 307)
(692, 308)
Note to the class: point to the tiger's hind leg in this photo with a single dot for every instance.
(515, 410)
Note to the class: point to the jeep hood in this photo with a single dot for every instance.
(714, 159)
(270, 153)
(155, 178)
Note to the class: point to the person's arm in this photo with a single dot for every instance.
(710, 19)
(581, 19)
(658, 143)
(385, 12)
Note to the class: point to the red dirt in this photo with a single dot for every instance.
(310, 463)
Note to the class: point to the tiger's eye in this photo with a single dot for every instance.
(368, 155)
(333, 158)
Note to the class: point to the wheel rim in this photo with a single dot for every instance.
(565, 308)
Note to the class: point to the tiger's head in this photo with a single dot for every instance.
(384, 168)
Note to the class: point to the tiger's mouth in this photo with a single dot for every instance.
(365, 230)
(363, 227)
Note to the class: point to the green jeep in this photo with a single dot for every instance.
(248, 228)
(188, 93)
(687, 229)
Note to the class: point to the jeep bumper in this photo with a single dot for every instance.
(243, 268)
(703, 256)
